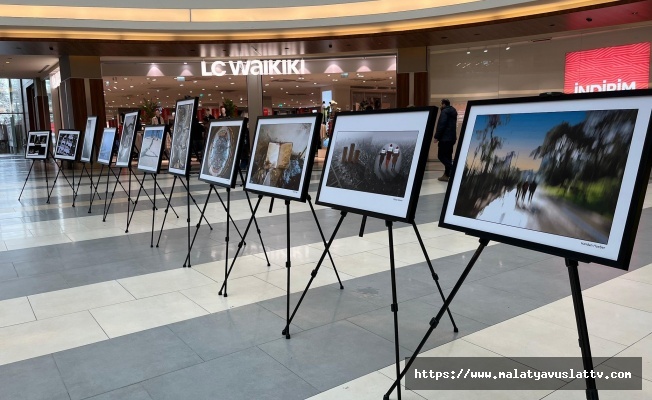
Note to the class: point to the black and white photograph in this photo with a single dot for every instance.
(151, 149)
(66, 148)
(127, 138)
(375, 162)
(89, 139)
(283, 153)
(180, 147)
(559, 173)
(38, 145)
(105, 154)
(221, 153)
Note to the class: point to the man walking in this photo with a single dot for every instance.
(445, 137)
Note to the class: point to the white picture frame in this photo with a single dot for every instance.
(38, 145)
(105, 153)
(365, 173)
(127, 139)
(222, 152)
(601, 227)
(89, 139)
(182, 136)
(67, 145)
(296, 136)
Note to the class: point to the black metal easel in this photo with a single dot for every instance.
(89, 174)
(60, 171)
(47, 184)
(110, 171)
(582, 329)
(435, 321)
(314, 272)
(142, 188)
(229, 219)
(169, 200)
(223, 289)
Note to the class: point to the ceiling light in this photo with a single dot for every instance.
(185, 63)
(485, 50)
(507, 48)
(232, 83)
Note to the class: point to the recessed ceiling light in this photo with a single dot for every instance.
(185, 63)
(232, 83)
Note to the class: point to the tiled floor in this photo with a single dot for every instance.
(89, 311)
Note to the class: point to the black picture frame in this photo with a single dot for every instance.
(130, 129)
(86, 154)
(40, 150)
(144, 162)
(105, 152)
(233, 159)
(617, 250)
(257, 156)
(67, 139)
(420, 121)
(182, 137)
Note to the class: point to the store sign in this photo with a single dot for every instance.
(253, 67)
(608, 69)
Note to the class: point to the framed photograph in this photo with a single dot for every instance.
(105, 156)
(181, 136)
(89, 139)
(283, 154)
(38, 145)
(221, 153)
(563, 175)
(67, 142)
(129, 129)
(375, 162)
(151, 149)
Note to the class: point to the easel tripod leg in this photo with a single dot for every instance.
(24, 184)
(314, 272)
(323, 239)
(244, 236)
(210, 190)
(288, 264)
(435, 277)
(165, 214)
(582, 329)
(435, 321)
(394, 307)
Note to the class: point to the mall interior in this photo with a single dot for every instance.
(101, 297)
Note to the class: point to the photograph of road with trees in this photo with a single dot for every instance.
(553, 172)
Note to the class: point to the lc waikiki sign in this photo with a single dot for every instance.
(608, 69)
(253, 67)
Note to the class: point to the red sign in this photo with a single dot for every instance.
(608, 69)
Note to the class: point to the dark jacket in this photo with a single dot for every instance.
(446, 125)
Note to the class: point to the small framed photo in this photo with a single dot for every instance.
(129, 130)
(67, 142)
(151, 149)
(283, 154)
(222, 152)
(375, 162)
(89, 139)
(181, 137)
(563, 175)
(38, 145)
(105, 156)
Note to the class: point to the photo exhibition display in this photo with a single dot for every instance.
(129, 129)
(376, 160)
(283, 153)
(149, 159)
(38, 144)
(563, 175)
(106, 146)
(221, 153)
(66, 148)
(181, 136)
(89, 138)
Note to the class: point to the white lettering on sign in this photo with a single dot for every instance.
(605, 87)
(254, 67)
